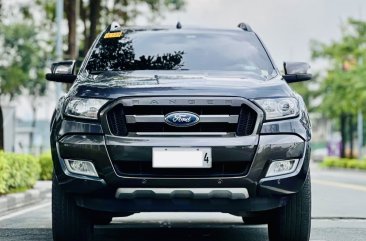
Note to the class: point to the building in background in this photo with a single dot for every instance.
(9, 115)
(23, 135)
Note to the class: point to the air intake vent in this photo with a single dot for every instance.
(117, 121)
(247, 120)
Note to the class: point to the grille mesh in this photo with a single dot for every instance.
(247, 120)
(117, 121)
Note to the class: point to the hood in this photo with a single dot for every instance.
(112, 85)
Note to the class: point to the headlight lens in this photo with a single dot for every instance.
(279, 108)
(84, 108)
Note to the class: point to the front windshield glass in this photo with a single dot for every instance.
(181, 50)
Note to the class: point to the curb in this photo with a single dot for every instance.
(41, 191)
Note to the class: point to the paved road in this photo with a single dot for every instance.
(339, 214)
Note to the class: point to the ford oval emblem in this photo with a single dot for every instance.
(182, 119)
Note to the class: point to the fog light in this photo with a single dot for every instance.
(81, 167)
(282, 167)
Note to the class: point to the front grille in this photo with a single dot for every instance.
(243, 126)
(145, 169)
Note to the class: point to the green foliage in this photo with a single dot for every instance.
(4, 174)
(17, 171)
(335, 162)
(49, 8)
(343, 89)
(128, 10)
(45, 160)
(23, 61)
(303, 89)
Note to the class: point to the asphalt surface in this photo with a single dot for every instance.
(339, 214)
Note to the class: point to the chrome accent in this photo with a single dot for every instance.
(69, 168)
(181, 133)
(190, 193)
(182, 119)
(296, 162)
(130, 119)
(232, 119)
(184, 141)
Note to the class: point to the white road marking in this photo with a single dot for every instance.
(23, 211)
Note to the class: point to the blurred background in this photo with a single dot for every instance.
(329, 34)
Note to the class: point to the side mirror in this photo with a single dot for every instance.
(296, 72)
(63, 72)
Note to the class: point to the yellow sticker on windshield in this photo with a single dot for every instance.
(113, 35)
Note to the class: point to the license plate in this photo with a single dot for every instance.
(174, 157)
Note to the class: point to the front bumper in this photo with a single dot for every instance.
(99, 193)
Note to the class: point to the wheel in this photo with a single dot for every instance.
(293, 221)
(102, 219)
(69, 222)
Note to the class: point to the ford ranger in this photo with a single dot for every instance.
(180, 120)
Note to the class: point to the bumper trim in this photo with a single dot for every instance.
(190, 193)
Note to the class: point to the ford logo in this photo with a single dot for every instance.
(182, 119)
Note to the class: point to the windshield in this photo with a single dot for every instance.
(181, 50)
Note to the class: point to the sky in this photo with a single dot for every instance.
(285, 26)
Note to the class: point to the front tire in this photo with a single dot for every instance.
(293, 221)
(69, 222)
(102, 219)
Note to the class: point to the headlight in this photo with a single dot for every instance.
(84, 108)
(279, 108)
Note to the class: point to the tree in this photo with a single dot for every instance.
(25, 65)
(71, 10)
(343, 90)
(25, 46)
(97, 13)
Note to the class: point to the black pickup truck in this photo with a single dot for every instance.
(180, 120)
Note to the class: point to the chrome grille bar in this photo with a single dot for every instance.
(232, 119)
(181, 133)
